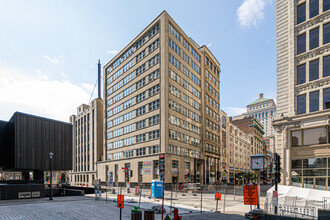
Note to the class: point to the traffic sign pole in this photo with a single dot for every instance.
(216, 208)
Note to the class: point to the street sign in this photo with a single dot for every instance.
(217, 196)
(120, 201)
(275, 199)
(111, 178)
(161, 167)
(251, 195)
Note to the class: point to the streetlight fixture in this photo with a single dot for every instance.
(51, 155)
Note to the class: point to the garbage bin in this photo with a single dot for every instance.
(149, 214)
(136, 214)
(156, 189)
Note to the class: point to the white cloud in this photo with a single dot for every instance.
(37, 95)
(234, 111)
(251, 12)
(209, 44)
(113, 52)
(56, 60)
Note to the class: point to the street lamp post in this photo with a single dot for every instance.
(51, 154)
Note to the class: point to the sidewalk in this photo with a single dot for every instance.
(187, 203)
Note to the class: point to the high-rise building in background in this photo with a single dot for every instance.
(87, 139)
(302, 132)
(162, 98)
(263, 109)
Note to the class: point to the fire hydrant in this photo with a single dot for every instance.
(176, 214)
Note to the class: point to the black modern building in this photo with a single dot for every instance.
(25, 143)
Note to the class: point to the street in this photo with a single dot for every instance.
(81, 208)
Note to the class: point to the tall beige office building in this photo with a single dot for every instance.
(87, 140)
(303, 92)
(237, 150)
(162, 95)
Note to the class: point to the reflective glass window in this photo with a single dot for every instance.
(314, 70)
(315, 136)
(301, 74)
(301, 13)
(326, 33)
(313, 8)
(326, 98)
(301, 43)
(314, 101)
(314, 38)
(301, 104)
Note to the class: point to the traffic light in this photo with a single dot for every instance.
(263, 175)
(277, 168)
(131, 173)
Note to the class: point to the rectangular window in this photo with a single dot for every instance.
(116, 109)
(154, 105)
(140, 42)
(315, 136)
(140, 56)
(117, 98)
(140, 124)
(314, 38)
(141, 151)
(129, 116)
(313, 8)
(140, 69)
(326, 6)
(117, 132)
(116, 75)
(185, 44)
(185, 57)
(141, 111)
(129, 90)
(174, 32)
(153, 31)
(128, 153)
(326, 33)
(128, 128)
(301, 13)
(140, 138)
(301, 104)
(140, 97)
(153, 61)
(314, 70)
(314, 101)
(174, 61)
(154, 75)
(154, 90)
(128, 53)
(154, 149)
(128, 78)
(326, 66)
(154, 120)
(140, 83)
(301, 74)
(301, 43)
(128, 141)
(326, 100)
(154, 135)
(128, 103)
(128, 65)
(174, 47)
(153, 46)
(195, 54)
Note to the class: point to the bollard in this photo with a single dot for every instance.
(149, 214)
(136, 214)
(176, 214)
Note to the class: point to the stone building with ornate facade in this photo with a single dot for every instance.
(302, 134)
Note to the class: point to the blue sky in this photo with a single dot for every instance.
(49, 49)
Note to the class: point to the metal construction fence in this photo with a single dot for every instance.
(293, 211)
